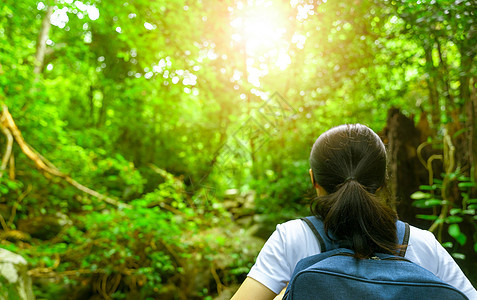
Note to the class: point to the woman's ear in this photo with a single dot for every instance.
(320, 191)
(312, 179)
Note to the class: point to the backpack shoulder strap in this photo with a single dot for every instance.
(403, 232)
(317, 227)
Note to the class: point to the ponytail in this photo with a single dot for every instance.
(355, 215)
(349, 163)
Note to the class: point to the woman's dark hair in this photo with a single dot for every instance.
(349, 162)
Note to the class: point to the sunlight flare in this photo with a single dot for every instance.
(260, 29)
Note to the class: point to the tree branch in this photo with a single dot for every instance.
(44, 165)
(17, 203)
(8, 150)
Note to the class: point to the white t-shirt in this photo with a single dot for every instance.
(294, 240)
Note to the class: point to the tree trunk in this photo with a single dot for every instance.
(432, 87)
(444, 77)
(469, 99)
(42, 38)
(472, 110)
(405, 170)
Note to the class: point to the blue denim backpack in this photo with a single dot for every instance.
(336, 274)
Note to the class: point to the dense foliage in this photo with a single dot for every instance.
(175, 134)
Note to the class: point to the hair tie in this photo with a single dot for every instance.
(350, 178)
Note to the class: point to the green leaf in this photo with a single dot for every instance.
(466, 185)
(427, 217)
(12, 184)
(455, 211)
(3, 189)
(420, 195)
(458, 256)
(433, 202)
(451, 176)
(461, 239)
(454, 230)
(428, 187)
(419, 203)
(463, 178)
(87, 207)
(447, 244)
(453, 219)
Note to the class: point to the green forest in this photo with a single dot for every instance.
(150, 147)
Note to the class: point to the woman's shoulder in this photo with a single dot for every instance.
(299, 240)
(423, 249)
(421, 237)
(291, 225)
(295, 230)
(291, 231)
